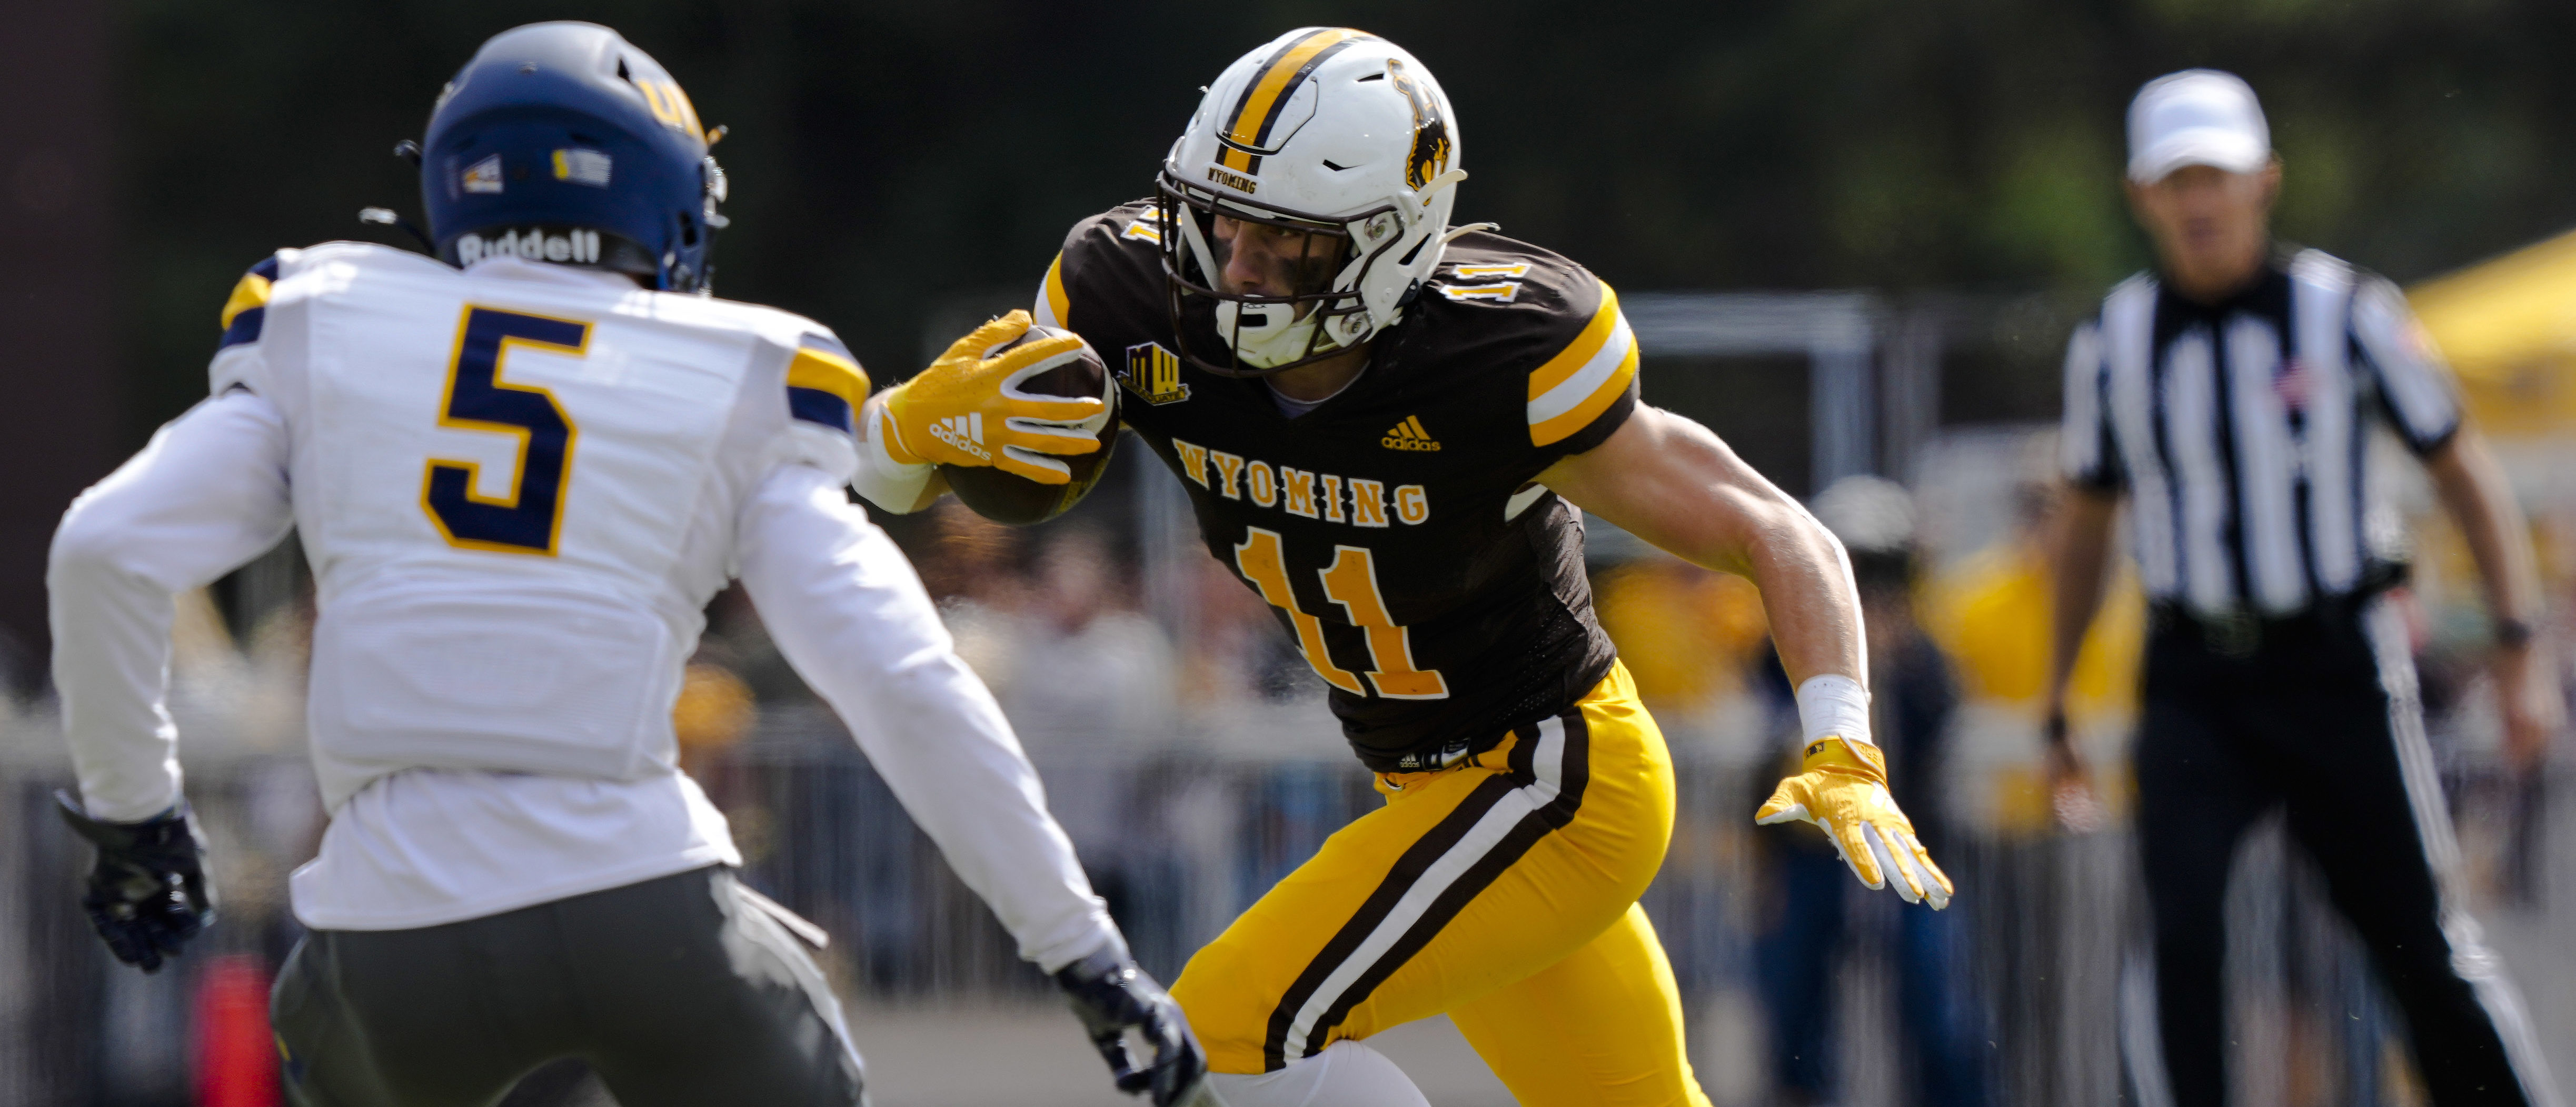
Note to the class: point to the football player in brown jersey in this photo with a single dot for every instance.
(1386, 426)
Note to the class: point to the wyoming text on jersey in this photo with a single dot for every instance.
(1302, 492)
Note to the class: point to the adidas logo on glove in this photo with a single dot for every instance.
(966, 432)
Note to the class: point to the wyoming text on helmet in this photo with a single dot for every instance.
(1329, 133)
(562, 142)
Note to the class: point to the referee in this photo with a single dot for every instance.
(2228, 396)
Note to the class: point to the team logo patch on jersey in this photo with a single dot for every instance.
(483, 176)
(1409, 435)
(1153, 374)
(966, 432)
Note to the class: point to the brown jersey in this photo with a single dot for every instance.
(1394, 529)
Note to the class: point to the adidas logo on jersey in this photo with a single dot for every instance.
(966, 432)
(576, 246)
(1409, 435)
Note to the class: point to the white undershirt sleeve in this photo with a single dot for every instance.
(206, 495)
(848, 612)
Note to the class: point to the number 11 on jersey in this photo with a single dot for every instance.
(1351, 581)
(529, 518)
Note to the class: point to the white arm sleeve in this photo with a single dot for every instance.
(206, 495)
(891, 485)
(850, 615)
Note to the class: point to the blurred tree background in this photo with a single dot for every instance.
(890, 158)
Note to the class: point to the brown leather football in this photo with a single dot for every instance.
(1016, 500)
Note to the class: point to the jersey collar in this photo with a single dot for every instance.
(521, 269)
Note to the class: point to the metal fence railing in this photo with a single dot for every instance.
(2036, 953)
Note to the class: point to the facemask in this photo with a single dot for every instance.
(1265, 335)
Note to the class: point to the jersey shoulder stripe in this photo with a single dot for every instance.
(1584, 378)
(1121, 246)
(247, 308)
(1052, 307)
(825, 385)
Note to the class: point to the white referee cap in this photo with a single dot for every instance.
(2196, 117)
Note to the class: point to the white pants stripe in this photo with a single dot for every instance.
(2390, 644)
(1548, 769)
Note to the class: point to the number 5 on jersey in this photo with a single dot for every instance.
(529, 519)
(1351, 581)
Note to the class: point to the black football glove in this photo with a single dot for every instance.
(1112, 996)
(147, 895)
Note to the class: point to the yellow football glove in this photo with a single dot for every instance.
(1842, 788)
(967, 408)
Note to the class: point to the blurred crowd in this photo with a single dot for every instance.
(1185, 748)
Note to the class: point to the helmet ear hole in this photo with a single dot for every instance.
(688, 231)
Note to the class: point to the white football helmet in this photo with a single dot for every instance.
(1335, 133)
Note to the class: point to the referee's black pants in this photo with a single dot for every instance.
(2317, 715)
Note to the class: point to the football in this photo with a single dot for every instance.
(1016, 500)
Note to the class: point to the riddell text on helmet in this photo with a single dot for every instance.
(579, 247)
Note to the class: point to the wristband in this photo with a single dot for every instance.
(1833, 704)
(887, 483)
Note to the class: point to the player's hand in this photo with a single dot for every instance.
(968, 409)
(1842, 788)
(1112, 997)
(2528, 696)
(2070, 784)
(147, 895)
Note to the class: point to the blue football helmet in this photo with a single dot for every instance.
(562, 142)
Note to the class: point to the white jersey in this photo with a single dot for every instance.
(517, 489)
(518, 486)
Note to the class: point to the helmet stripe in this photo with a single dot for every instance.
(1259, 107)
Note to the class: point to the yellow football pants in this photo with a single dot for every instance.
(1502, 891)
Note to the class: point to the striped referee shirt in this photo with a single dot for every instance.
(2238, 428)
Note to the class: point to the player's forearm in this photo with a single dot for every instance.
(847, 611)
(2473, 489)
(111, 659)
(2081, 558)
(207, 494)
(1674, 483)
(1808, 597)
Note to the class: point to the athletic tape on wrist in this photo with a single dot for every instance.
(1833, 704)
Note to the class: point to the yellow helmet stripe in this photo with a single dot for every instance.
(1259, 106)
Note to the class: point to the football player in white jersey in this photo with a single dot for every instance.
(520, 470)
